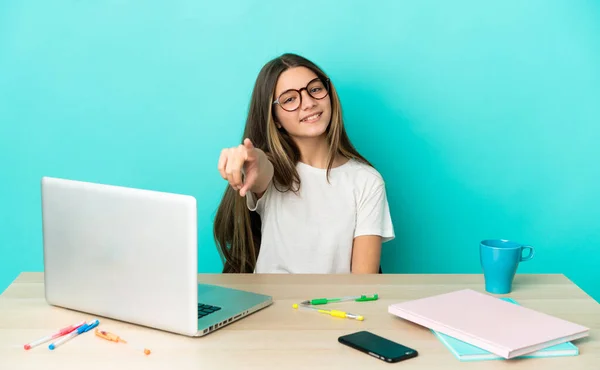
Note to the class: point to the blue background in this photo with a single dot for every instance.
(483, 117)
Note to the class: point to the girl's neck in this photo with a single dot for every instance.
(314, 152)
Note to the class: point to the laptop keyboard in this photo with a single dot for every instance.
(206, 309)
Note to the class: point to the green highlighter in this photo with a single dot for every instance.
(358, 298)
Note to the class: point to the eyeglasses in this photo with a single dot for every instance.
(291, 99)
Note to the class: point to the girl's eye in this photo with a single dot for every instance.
(315, 89)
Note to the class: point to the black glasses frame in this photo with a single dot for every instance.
(325, 82)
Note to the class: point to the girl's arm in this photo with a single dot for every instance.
(366, 254)
(265, 174)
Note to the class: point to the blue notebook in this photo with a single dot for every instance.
(467, 352)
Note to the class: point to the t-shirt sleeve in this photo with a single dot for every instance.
(255, 204)
(373, 215)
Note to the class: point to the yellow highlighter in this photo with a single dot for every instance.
(335, 313)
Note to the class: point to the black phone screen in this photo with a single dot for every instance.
(377, 346)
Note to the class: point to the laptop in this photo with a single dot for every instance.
(132, 255)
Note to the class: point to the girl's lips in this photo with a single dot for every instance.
(312, 118)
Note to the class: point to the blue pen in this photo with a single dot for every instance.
(82, 329)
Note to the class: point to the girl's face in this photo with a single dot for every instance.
(304, 115)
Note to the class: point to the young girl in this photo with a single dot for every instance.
(300, 198)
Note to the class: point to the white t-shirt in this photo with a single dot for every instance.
(313, 231)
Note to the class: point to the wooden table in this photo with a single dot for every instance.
(280, 337)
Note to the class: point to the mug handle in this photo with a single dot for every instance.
(529, 256)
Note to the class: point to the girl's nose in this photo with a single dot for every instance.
(307, 101)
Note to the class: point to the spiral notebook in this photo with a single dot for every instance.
(467, 352)
(484, 321)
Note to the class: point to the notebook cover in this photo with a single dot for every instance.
(466, 352)
(502, 328)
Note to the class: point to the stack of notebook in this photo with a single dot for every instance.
(477, 326)
(467, 352)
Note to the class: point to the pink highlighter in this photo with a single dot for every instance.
(60, 333)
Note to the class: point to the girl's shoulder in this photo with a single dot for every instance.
(365, 172)
(354, 172)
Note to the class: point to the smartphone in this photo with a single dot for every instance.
(378, 347)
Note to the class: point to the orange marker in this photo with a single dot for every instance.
(109, 336)
(114, 338)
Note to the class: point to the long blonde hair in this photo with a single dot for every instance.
(237, 231)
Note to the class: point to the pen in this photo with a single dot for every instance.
(358, 298)
(109, 336)
(82, 329)
(59, 333)
(115, 338)
(335, 313)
